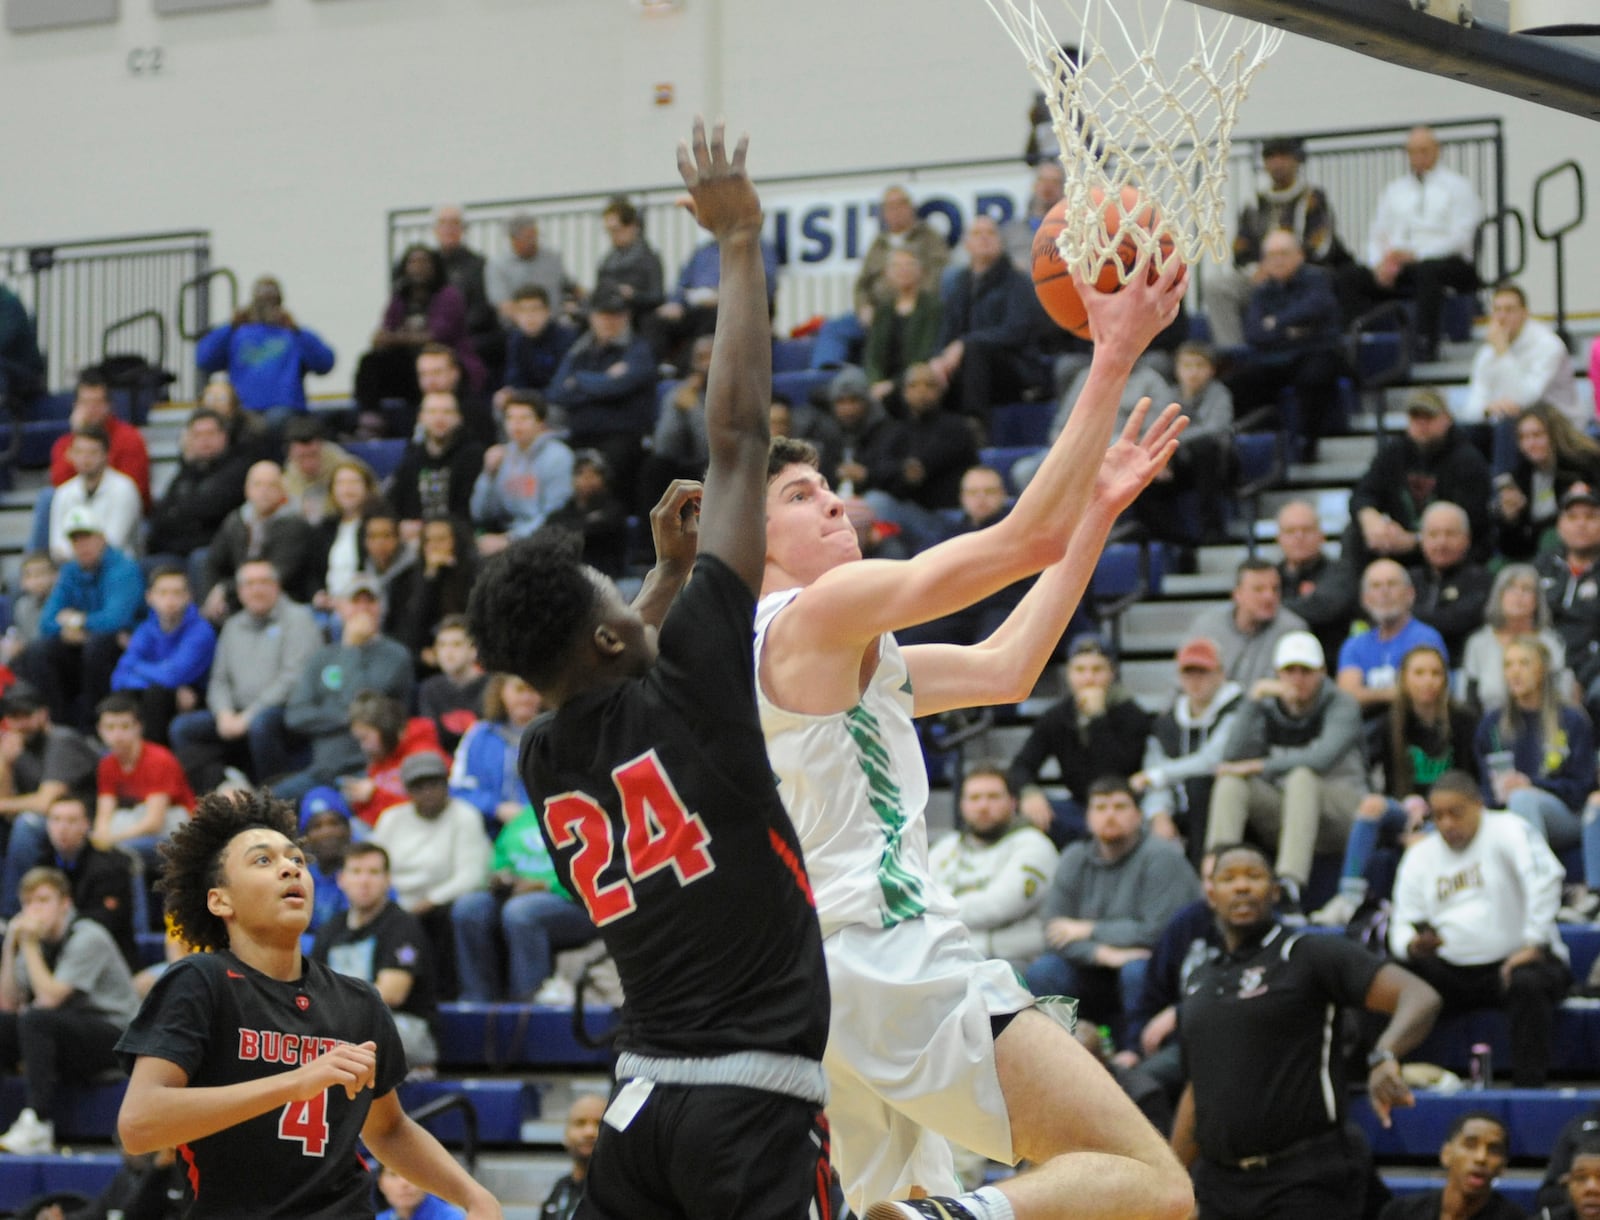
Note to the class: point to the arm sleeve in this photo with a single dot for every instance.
(123, 595)
(302, 642)
(1410, 905)
(1542, 877)
(1043, 741)
(1247, 738)
(1061, 899)
(308, 711)
(315, 355)
(211, 353)
(1575, 778)
(1203, 761)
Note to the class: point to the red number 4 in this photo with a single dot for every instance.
(306, 1121)
(658, 832)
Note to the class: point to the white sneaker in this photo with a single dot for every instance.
(29, 1136)
(1339, 911)
(556, 992)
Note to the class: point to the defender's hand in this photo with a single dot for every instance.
(721, 196)
(675, 523)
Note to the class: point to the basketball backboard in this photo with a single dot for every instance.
(1562, 72)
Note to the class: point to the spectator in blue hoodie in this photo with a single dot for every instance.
(524, 480)
(485, 773)
(168, 655)
(266, 355)
(84, 622)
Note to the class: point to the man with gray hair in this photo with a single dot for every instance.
(1293, 766)
(528, 262)
(1369, 661)
(1452, 590)
(1319, 587)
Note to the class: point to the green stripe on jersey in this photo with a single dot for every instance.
(903, 896)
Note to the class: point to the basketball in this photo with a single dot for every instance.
(1053, 282)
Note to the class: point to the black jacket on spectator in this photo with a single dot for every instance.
(1452, 602)
(102, 890)
(290, 546)
(1304, 314)
(603, 526)
(1111, 744)
(196, 503)
(1519, 539)
(428, 484)
(1574, 601)
(1326, 594)
(999, 305)
(942, 442)
(1405, 478)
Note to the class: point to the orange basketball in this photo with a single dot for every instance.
(1053, 282)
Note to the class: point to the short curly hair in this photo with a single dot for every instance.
(193, 858)
(531, 603)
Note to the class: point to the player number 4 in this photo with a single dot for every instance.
(307, 1122)
(658, 832)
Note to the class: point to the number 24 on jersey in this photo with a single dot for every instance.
(658, 832)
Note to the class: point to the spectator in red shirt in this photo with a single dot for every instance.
(91, 408)
(143, 794)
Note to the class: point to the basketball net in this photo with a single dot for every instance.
(1125, 121)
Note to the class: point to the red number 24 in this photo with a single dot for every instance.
(658, 832)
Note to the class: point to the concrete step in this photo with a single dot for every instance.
(1163, 618)
(521, 1180)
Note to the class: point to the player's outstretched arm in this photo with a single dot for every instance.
(855, 603)
(159, 1110)
(422, 1160)
(1004, 667)
(739, 383)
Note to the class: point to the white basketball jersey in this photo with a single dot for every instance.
(857, 792)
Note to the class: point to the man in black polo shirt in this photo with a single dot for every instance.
(379, 941)
(1261, 1122)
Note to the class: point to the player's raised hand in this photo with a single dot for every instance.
(675, 523)
(1133, 461)
(720, 196)
(1127, 320)
(350, 1066)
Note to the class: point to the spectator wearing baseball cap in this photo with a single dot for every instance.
(1432, 460)
(1288, 202)
(1570, 579)
(607, 386)
(1186, 744)
(1292, 768)
(95, 601)
(438, 851)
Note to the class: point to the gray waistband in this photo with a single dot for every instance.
(790, 1075)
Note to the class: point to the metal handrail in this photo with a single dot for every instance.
(1557, 235)
(446, 1102)
(1507, 270)
(132, 320)
(197, 284)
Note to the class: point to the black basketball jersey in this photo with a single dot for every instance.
(223, 1022)
(661, 812)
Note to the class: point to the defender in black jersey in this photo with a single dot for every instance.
(265, 1068)
(660, 809)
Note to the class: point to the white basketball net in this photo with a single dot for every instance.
(1124, 121)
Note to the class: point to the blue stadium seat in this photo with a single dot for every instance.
(27, 1177)
(502, 1106)
(1533, 1119)
(1460, 311)
(521, 1035)
(382, 455)
(1021, 423)
(798, 386)
(791, 355)
(83, 1112)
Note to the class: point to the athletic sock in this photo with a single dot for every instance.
(987, 1203)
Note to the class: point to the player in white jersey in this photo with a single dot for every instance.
(928, 1040)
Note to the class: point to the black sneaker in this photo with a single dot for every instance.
(941, 1208)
